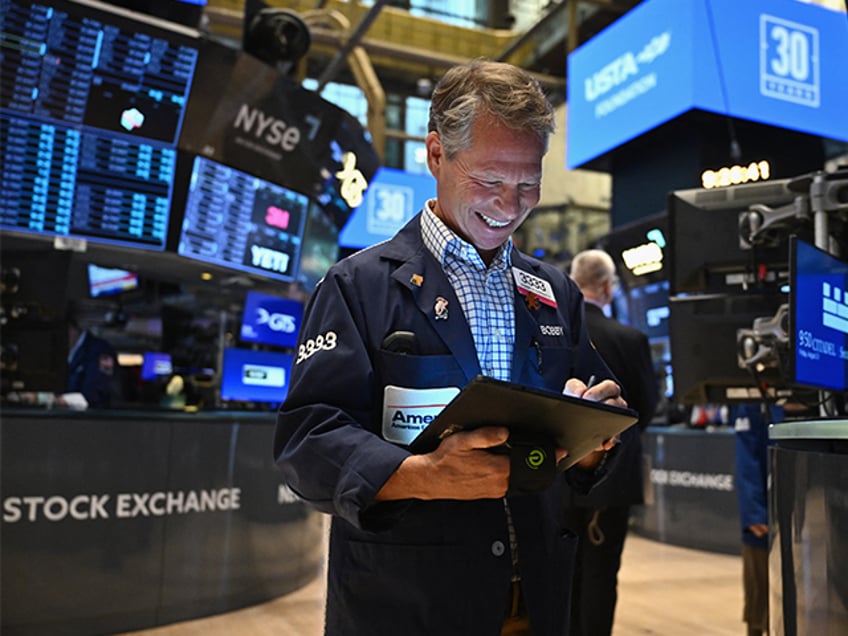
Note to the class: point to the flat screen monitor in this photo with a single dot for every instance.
(639, 250)
(155, 365)
(320, 248)
(818, 318)
(241, 221)
(270, 320)
(91, 105)
(109, 281)
(244, 113)
(704, 361)
(647, 309)
(705, 253)
(260, 377)
(392, 199)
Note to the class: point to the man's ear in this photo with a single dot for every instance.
(435, 152)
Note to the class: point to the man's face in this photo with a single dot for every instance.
(485, 192)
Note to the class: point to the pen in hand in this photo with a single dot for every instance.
(592, 379)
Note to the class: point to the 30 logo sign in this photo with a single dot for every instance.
(789, 61)
(389, 208)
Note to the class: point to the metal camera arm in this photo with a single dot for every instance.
(819, 196)
(763, 225)
(760, 345)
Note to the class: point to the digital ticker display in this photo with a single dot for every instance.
(241, 221)
(91, 105)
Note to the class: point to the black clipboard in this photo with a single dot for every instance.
(573, 423)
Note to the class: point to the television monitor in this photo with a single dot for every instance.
(705, 252)
(818, 318)
(647, 309)
(155, 365)
(392, 199)
(260, 377)
(639, 250)
(270, 320)
(320, 248)
(108, 281)
(92, 101)
(247, 114)
(241, 221)
(703, 338)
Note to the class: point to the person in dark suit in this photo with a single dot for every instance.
(92, 363)
(601, 518)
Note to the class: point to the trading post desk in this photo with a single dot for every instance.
(119, 520)
(808, 528)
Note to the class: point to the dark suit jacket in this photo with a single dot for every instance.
(628, 355)
(91, 370)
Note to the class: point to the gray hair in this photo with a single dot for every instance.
(592, 268)
(508, 93)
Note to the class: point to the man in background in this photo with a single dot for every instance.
(92, 364)
(601, 518)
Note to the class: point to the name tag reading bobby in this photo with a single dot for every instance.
(407, 412)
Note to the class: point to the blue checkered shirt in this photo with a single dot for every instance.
(485, 293)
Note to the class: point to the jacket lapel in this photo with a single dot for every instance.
(423, 276)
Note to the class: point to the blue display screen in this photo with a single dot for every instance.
(107, 281)
(156, 364)
(819, 317)
(270, 320)
(631, 78)
(242, 221)
(648, 309)
(91, 107)
(393, 198)
(779, 63)
(255, 376)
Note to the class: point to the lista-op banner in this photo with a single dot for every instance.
(780, 63)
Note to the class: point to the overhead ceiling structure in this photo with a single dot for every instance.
(408, 52)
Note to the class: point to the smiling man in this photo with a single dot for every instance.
(437, 543)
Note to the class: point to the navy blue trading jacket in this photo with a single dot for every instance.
(422, 567)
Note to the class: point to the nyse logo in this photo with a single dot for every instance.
(271, 130)
(390, 206)
(789, 61)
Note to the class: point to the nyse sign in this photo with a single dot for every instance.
(789, 61)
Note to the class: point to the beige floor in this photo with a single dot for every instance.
(663, 590)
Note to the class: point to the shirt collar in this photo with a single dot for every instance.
(446, 244)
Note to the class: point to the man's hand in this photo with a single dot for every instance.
(758, 529)
(462, 467)
(605, 391)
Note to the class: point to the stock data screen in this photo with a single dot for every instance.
(91, 105)
(241, 221)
